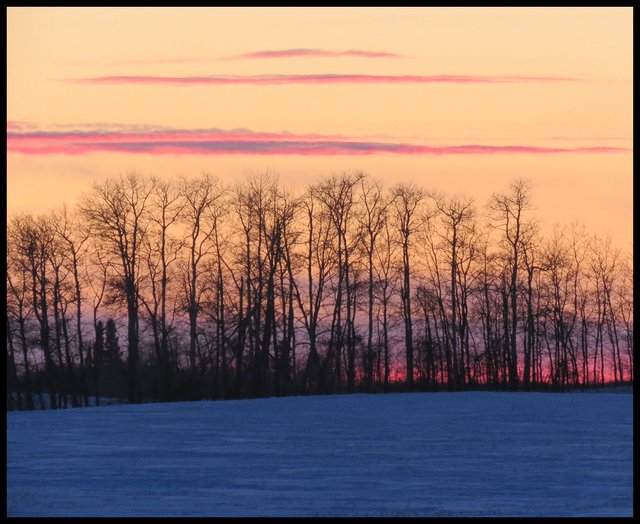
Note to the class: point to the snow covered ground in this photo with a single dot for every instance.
(421, 454)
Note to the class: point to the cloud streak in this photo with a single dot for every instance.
(167, 141)
(315, 79)
(270, 54)
(591, 138)
(313, 53)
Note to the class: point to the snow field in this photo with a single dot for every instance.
(420, 454)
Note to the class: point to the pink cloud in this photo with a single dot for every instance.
(590, 138)
(313, 53)
(16, 125)
(267, 54)
(245, 142)
(316, 79)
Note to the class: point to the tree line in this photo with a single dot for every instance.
(230, 291)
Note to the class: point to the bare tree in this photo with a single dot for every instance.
(318, 264)
(372, 219)
(387, 277)
(97, 278)
(337, 195)
(202, 207)
(18, 302)
(625, 307)
(508, 214)
(605, 265)
(74, 237)
(532, 266)
(117, 214)
(161, 250)
(31, 238)
(406, 201)
(457, 214)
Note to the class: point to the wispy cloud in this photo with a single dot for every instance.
(215, 141)
(17, 125)
(268, 54)
(317, 79)
(313, 53)
(590, 138)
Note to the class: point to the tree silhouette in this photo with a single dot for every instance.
(254, 290)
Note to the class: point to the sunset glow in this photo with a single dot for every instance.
(461, 100)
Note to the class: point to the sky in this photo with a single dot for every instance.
(461, 100)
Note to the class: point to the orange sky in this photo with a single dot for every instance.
(545, 92)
